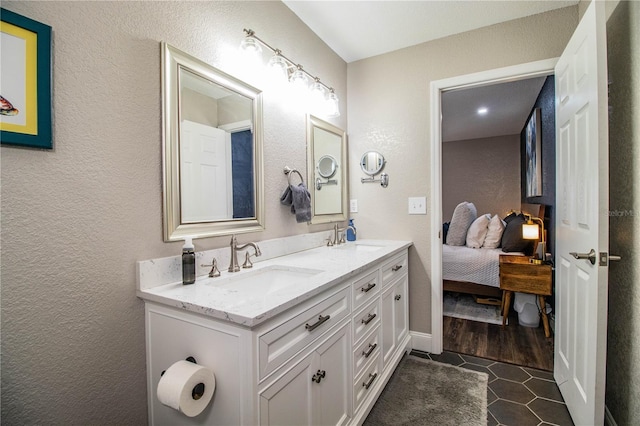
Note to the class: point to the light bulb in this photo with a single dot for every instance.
(278, 68)
(299, 80)
(318, 98)
(333, 105)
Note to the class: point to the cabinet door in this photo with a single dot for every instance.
(388, 323)
(333, 394)
(400, 310)
(289, 400)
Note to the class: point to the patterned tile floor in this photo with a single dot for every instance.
(517, 396)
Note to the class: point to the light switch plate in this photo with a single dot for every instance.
(353, 206)
(417, 205)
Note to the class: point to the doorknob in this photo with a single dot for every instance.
(591, 256)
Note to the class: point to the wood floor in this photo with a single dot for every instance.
(512, 343)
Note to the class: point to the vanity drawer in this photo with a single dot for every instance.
(287, 339)
(395, 268)
(366, 351)
(366, 382)
(366, 288)
(366, 320)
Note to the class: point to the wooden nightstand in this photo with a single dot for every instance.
(518, 274)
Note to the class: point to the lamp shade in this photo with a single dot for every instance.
(530, 231)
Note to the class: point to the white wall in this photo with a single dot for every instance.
(76, 219)
(389, 111)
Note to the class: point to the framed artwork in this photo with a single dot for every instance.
(25, 81)
(533, 155)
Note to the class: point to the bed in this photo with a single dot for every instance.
(476, 270)
(471, 270)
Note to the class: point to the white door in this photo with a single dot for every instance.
(582, 222)
(205, 173)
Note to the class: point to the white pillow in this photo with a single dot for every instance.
(464, 214)
(494, 233)
(478, 231)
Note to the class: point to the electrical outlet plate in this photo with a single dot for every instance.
(417, 205)
(353, 206)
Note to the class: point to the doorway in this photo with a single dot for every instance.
(507, 74)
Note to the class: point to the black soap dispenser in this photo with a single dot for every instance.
(188, 262)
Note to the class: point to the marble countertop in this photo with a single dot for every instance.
(310, 272)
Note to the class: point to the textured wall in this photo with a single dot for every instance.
(389, 111)
(484, 171)
(623, 347)
(76, 219)
(546, 103)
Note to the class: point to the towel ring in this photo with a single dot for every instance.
(288, 171)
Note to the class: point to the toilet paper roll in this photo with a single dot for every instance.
(186, 387)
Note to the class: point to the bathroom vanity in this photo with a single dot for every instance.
(309, 337)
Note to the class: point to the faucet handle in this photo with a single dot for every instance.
(215, 272)
(342, 239)
(247, 263)
(329, 242)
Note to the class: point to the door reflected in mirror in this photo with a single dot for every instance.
(327, 168)
(212, 150)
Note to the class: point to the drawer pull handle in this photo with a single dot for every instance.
(368, 384)
(319, 376)
(321, 319)
(368, 287)
(369, 318)
(398, 297)
(396, 268)
(371, 349)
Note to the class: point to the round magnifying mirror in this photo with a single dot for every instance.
(327, 166)
(372, 163)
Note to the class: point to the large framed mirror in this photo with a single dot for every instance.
(212, 150)
(327, 170)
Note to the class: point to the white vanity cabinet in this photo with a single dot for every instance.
(323, 361)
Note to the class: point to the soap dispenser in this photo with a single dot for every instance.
(351, 234)
(188, 262)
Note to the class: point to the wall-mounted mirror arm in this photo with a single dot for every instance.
(384, 180)
(372, 163)
(320, 183)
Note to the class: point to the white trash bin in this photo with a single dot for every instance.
(526, 307)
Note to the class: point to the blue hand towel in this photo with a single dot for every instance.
(301, 203)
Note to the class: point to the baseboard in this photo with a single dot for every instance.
(421, 341)
(608, 417)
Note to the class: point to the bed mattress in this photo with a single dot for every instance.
(480, 266)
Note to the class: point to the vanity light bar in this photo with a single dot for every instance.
(250, 34)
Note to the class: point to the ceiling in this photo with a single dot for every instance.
(361, 29)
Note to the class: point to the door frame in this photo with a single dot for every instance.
(540, 68)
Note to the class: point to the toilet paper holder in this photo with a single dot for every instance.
(198, 390)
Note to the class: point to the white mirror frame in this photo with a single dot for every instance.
(341, 173)
(172, 60)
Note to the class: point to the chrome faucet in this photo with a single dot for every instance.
(233, 265)
(338, 234)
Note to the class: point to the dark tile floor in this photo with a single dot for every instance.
(516, 395)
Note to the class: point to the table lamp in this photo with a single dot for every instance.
(531, 231)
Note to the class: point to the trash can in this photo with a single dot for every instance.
(526, 307)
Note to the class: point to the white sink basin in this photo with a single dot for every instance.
(264, 280)
(359, 247)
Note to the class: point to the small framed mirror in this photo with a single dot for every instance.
(327, 166)
(327, 169)
(372, 163)
(212, 150)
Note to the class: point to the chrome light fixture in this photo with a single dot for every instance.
(283, 69)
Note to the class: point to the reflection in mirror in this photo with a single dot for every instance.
(372, 163)
(327, 167)
(212, 150)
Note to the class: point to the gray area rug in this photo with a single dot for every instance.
(463, 306)
(425, 392)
